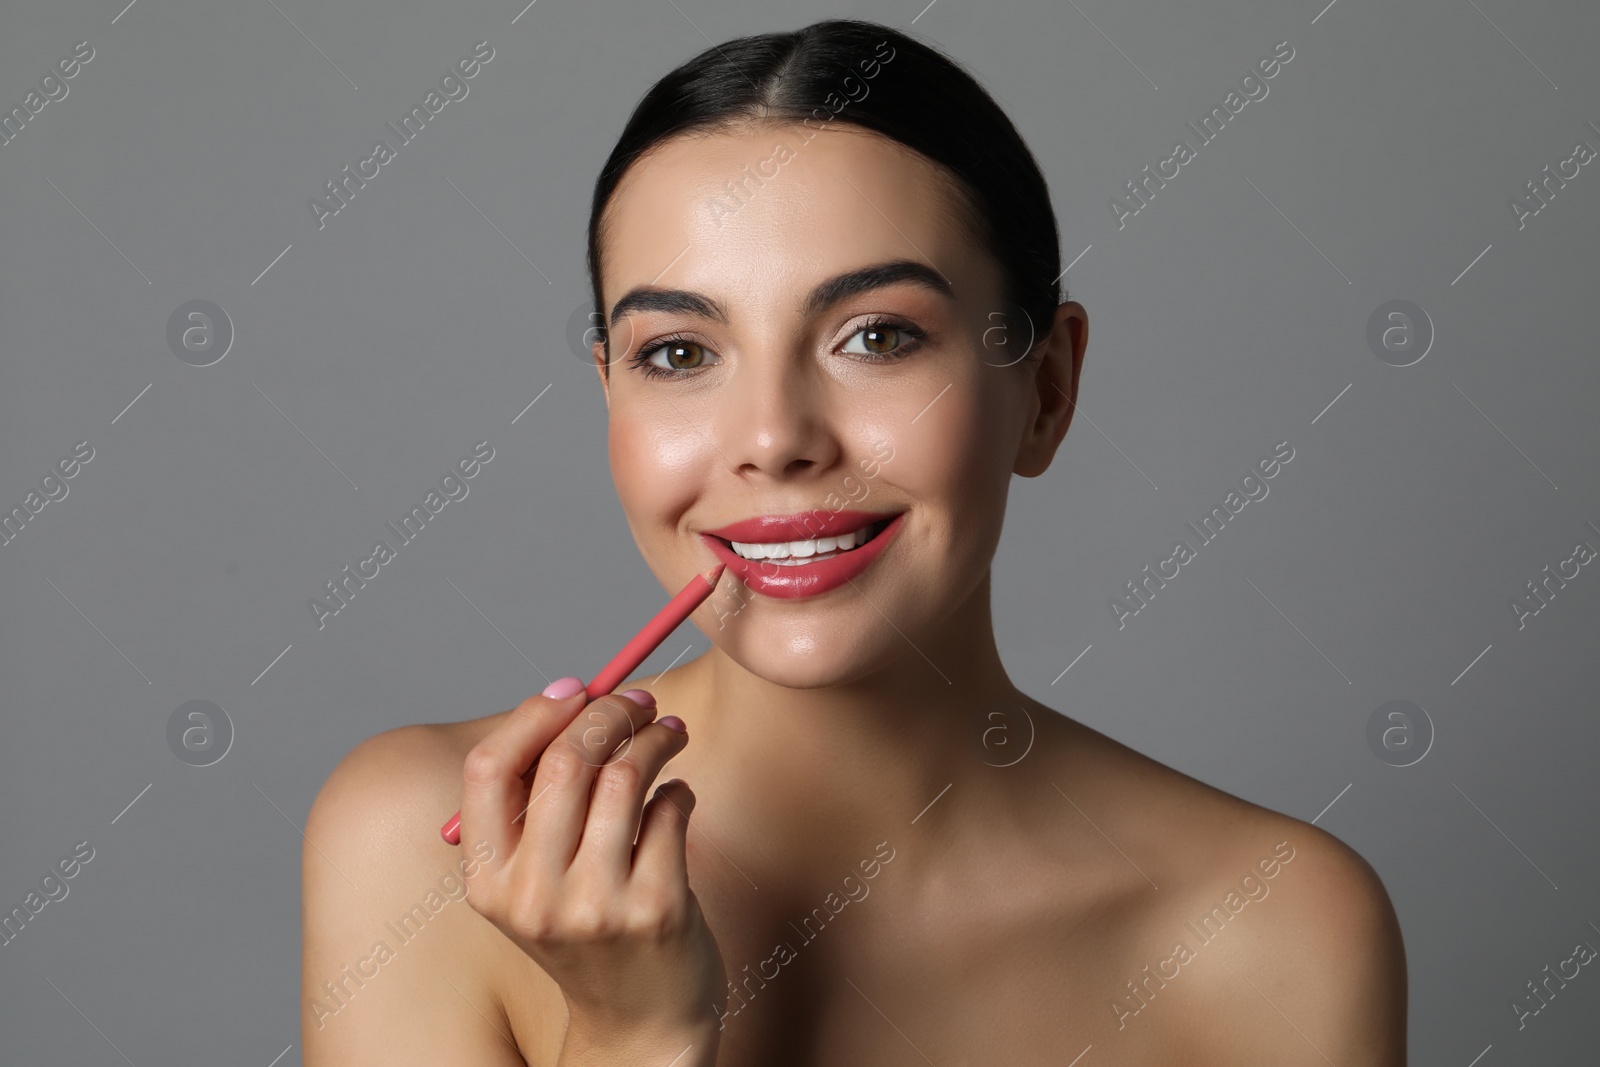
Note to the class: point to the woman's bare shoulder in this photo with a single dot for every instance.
(384, 910)
(1155, 796)
(401, 784)
(389, 781)
(1312, 965)
(1310, 933)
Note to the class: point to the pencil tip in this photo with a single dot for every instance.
(714, 573)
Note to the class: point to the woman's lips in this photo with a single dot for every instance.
(788, 581)
(798, 527)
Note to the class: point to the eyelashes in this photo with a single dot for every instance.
(641, 359)
(914, 338)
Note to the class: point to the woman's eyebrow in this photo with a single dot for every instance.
(826, 293)
(852, 282)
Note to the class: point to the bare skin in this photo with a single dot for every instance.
(984, 875)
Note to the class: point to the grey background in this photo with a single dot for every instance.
(1226, 317)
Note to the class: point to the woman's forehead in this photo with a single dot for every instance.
(771, 209)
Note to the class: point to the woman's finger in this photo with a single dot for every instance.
(494, 792)
(660, 865)
(615, 809)
(558, 806)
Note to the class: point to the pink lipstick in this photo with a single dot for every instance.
(797, 565)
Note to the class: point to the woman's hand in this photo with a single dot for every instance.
(614, 924)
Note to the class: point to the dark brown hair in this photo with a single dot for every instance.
(916, 96)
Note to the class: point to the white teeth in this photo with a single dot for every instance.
(781, 550)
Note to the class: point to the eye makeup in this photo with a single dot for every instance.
(915, 338)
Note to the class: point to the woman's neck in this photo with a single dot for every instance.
(821, 770)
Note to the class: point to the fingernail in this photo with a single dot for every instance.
(562, 688)
(672, 722)
(643, 698)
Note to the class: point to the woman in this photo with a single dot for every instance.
(827, 268)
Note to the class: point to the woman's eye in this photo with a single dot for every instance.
(882, 339)
(678, 355)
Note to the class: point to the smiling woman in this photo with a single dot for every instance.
(886, 309)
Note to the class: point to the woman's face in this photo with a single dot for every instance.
(744, 389)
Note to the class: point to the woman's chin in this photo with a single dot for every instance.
(808, 660)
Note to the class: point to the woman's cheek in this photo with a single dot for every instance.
(654, 464)
(934, 455)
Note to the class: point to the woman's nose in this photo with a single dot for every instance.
(774, 417)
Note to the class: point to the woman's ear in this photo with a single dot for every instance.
(1054, 395)
(598, 352)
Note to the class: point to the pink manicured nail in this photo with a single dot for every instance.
(643, 698)
(562, 688)
(672, 722)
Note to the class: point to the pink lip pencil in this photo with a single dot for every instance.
(633, 653)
